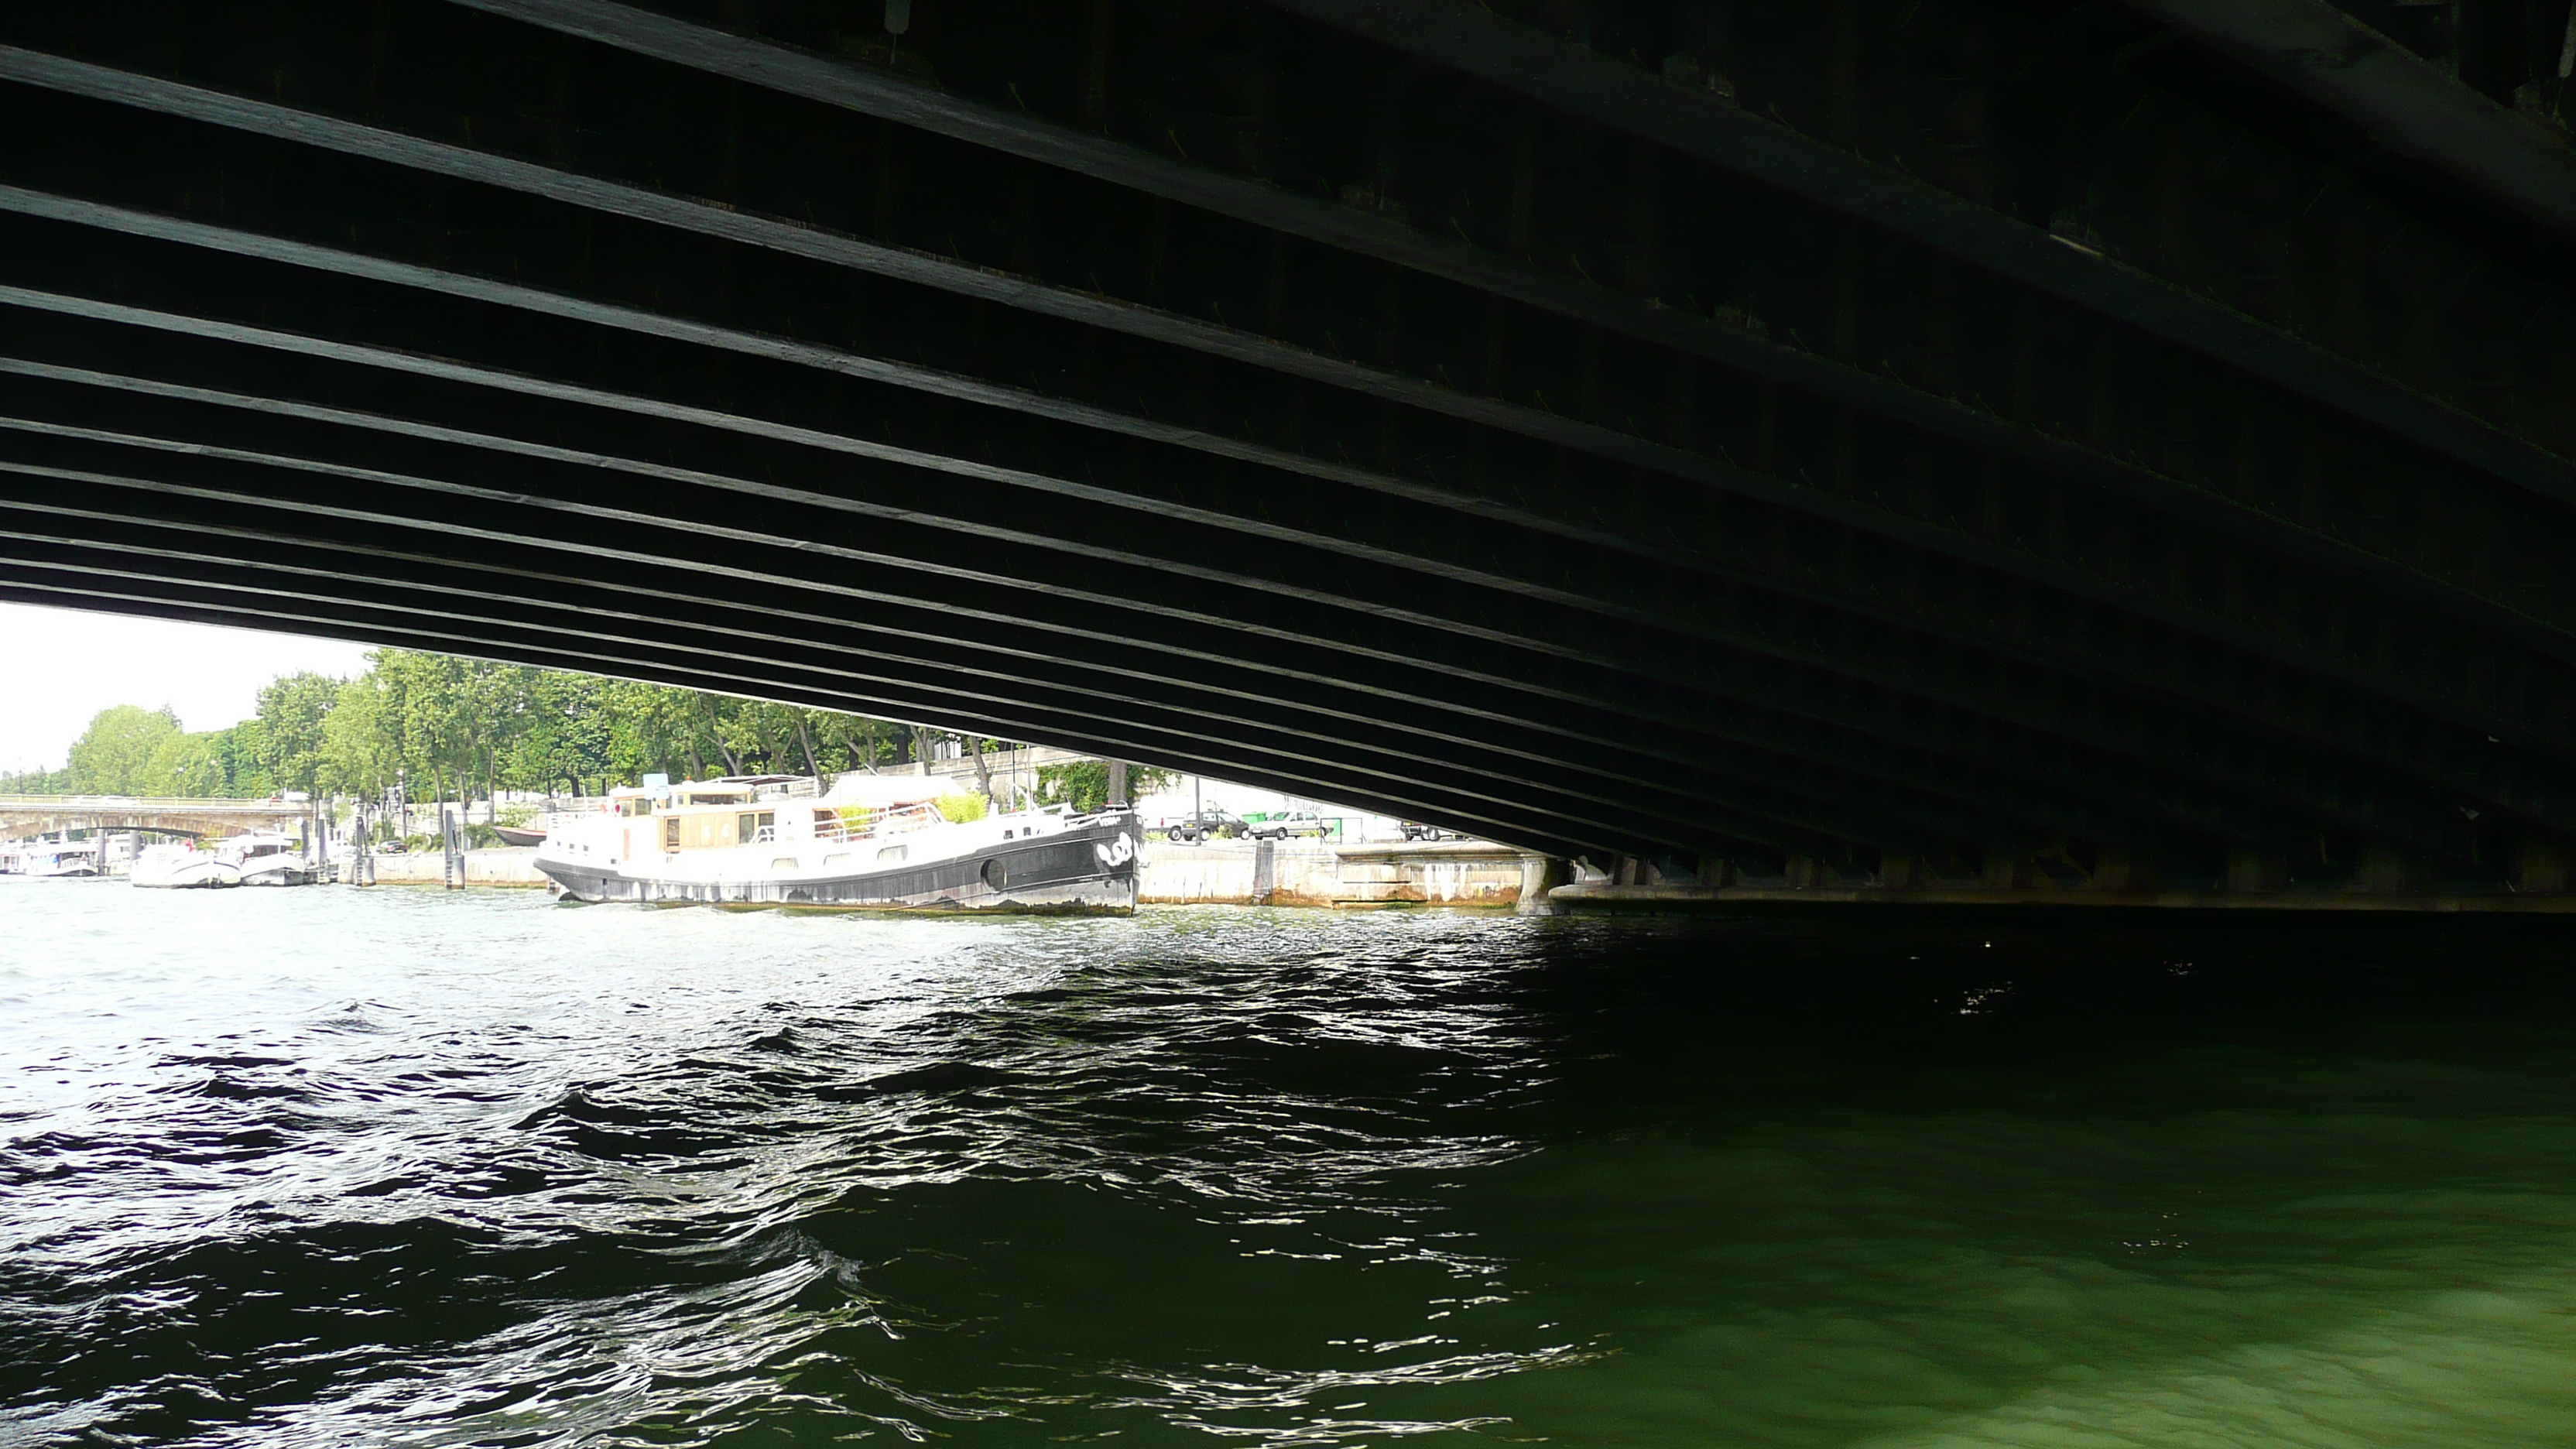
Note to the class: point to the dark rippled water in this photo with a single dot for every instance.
(331, 1167)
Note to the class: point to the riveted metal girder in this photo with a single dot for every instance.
(2119, 713)
(2479, 684)
(1690, 669)
(2287, 515)
(1689, 512)
(2219, 690)
(1035, 114)
(2406, 105)
(1571, 79)
(317, 555)
(65, 444)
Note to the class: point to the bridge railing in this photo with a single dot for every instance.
(151, 804)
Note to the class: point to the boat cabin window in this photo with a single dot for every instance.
(894, 852)
(754, 825)
(670, 834)
(633, 809)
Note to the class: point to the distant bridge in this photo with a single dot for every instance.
(25, 815)
(1824, 443)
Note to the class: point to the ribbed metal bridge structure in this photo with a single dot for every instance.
(1867, 439)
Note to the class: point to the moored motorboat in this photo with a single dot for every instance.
(872, 842)
(182, 866)
(60, 859)
(520, 835)
(268, 858)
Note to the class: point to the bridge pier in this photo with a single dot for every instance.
(2118, 871)
(1540, 876)
(2253, 870)
(2542, 866)
(2386, 871)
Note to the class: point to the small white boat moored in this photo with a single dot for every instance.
(183, 867)
(268, 858)
(60, 859)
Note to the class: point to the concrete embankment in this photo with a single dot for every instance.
(1220, 872)
(1305, 873)
(496, 867)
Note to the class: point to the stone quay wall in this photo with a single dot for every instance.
(1308, 873)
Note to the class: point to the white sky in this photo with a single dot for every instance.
(58, 667)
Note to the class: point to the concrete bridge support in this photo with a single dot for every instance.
(1540, 876)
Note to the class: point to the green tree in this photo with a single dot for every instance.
(652, 728)
(241, 758)
(452, 727)
(567, 735)
(361, 746)
(294, 715)
(435, 705)
(1084, 784)
(183, 764)
(114, 756)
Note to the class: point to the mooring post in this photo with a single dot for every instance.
(455, 862)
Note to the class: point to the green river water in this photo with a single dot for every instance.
(341, 1167)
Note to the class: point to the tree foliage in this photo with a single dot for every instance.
(36, 782)
(124, 751)
(294, 717)
(449, 728)
(1084, 784)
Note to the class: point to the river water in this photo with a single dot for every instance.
(339, 1167)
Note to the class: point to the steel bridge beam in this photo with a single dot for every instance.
(2437, 654)
(2407, 107)
(1522, 440)
(1580, 646)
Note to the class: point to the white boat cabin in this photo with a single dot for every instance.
(866, 814)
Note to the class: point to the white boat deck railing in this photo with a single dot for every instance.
(873, 824)
(857, 824)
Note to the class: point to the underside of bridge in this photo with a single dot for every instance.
(1882, 439)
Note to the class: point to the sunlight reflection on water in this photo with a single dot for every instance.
(343, 1167)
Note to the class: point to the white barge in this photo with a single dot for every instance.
(874, 841)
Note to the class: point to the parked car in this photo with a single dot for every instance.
(1205, 823)
(1415, 830)
(1295, 822)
